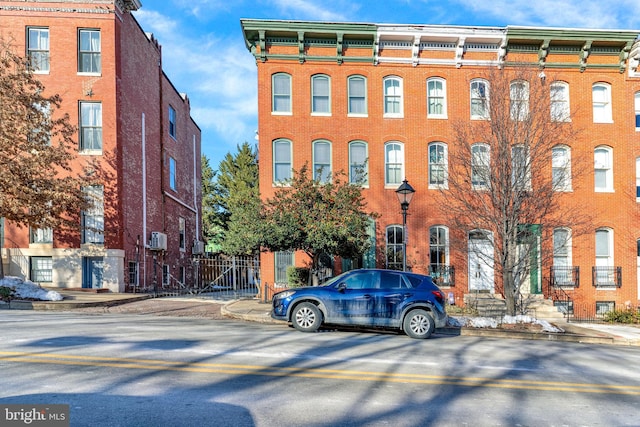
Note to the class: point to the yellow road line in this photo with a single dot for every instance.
(282, 371)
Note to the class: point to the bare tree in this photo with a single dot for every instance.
(37, 188)
(510, 175)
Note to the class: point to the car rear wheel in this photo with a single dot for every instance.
(306, 317)
(419, 324)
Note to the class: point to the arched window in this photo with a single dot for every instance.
(393, 96)
(560, 107)
(562, 258)
(320, 94)
(480, 166)
(436, 98)
(603, 169)
(636, 102)
(439, 267)
(281, 93)
(479, 99)
(282, 167)
(561, 168)
(520, 168)
(394, 163)
(601, 93)
(322, 161)
(395, 248)
(437, 164)
(519, 96)
(358, 163)
(357, 88)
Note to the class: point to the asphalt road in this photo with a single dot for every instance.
(116, 369)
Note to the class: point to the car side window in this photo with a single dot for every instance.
(360, 281)
(389, 280)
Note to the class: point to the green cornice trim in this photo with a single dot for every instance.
(570, 35)
(339, 59)
(251, 29)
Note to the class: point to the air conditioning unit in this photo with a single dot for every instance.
(198, 247)
(158, 241)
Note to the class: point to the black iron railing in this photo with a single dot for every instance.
(606, 277)
(565, 276)
(443, 275)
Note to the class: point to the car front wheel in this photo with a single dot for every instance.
(306, 317)
(419, 324)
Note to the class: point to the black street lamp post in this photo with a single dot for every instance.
(405, 194)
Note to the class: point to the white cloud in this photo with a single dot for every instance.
(311, 9)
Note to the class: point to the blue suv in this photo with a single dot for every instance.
(369, 298)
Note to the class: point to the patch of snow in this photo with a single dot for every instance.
(489, 322)
(27, 289)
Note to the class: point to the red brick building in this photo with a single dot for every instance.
(135, 125)
(337, 94)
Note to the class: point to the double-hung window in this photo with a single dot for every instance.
(93, 217)
(358, 171)
(560, 107)
(562, 262)
(519, 95)
(479, 99)
(282, 171)
(281, 93)
(480, 166)
(520, 168)
(394, 163)
(561, 168)
(437, 165)
(90, 126)
(392, 96)
(41, 269)
(436, 98)
(322, 161)
(320, 95)
(357, 92)
(601, 93)
(603, 169)
(41, 235)
(38, 49)
(89, 52)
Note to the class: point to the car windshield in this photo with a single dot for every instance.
(332, 280)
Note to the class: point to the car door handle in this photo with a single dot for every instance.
(366, 296)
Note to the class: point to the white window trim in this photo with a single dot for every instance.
(313, 155)
(567, 101)
(321, 113)
(481, 187)
(445, 184)
(568, 181)
(636, 103)
(388, 184)
(282, 113)
(364, 184)
(444, 98)
(366, 97)
(400, 114)
(609, 171)
(608, 110)
(487, 97)
(275, 182)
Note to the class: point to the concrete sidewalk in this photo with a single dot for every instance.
(251, 309)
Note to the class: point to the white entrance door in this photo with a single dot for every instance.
(481, 277)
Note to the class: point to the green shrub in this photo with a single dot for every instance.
(622, 316)
(5, 293)
(297, 276)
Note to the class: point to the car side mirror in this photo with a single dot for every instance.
(342, 287)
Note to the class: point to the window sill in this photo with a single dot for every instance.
(281, 113)
(90, 152)
(356, 115)
(320, 114)
(82, 73)
(437, 117)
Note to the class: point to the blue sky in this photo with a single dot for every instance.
(205, 57)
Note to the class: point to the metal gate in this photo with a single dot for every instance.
(227, 277)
